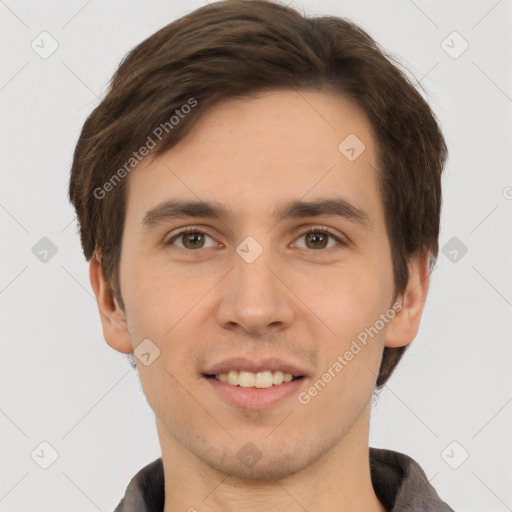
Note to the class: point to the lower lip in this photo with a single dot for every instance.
(255, 398)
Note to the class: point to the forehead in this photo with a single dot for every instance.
(308, 124)
(251, 153)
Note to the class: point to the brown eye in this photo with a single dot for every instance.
(318, 238)
(190, 239)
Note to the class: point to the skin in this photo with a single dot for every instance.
(296, 301)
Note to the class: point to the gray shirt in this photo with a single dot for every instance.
(398, 480)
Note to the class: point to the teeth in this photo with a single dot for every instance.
(248, 380)
(245, 379)
(278, 377)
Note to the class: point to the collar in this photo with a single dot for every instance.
(399, 482)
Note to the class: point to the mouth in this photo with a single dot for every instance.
(254, 390)
(252, 383)
(261, 380)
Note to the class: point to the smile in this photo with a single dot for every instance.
(263, 379)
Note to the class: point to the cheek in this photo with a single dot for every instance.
(348, 298)
(351, 307)
(156, 297)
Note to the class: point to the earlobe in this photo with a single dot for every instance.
(112, 317)
(406, 322)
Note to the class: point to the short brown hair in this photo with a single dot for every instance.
(235, 48)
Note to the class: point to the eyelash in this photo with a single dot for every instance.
(322, 230)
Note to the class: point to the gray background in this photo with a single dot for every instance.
(60, 383)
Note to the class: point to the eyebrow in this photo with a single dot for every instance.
(177, 209)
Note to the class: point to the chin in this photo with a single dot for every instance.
(264, 467)
(268, 471)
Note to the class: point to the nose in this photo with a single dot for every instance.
(255, 296)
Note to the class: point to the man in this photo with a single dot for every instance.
(259, 197)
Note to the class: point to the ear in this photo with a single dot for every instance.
(402, 329)
(112, 317)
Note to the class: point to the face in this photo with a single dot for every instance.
(273, 284)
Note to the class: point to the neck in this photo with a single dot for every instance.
(337, 480)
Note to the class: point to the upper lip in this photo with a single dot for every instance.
(252, 365)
